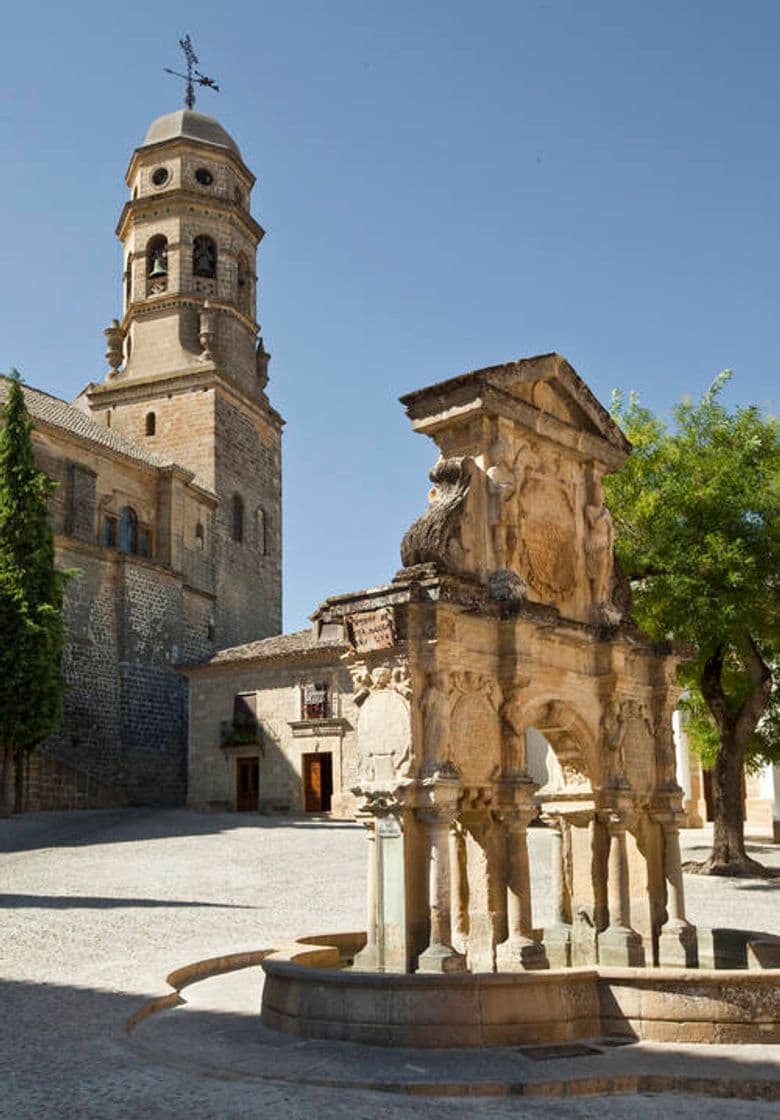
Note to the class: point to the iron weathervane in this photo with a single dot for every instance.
(193, 75)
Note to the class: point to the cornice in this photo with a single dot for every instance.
(211, 376)
(183, 144)
(181, 197)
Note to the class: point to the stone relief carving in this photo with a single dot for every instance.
(435, 708)
(501, 484)
(546, 514)
(384, 722)
(513, 727)
(598, 553)
(475, 727)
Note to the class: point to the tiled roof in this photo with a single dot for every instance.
(51, 410)
(282, 645)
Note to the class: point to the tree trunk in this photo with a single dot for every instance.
(735, 729)
(7, 783)
(728, 841)
(20, 765)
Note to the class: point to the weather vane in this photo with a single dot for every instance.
(192, 76)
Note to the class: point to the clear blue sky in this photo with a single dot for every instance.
(444, 184)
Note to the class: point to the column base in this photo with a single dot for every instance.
(557, 945)
(520, 955)
(367, 960)
(678, 946)
(441, 958)
(621, 948)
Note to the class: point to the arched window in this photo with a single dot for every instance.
(129, 282)
(244, 299)
(204, 257)
(156, 265)
(128, 530)
(200, 536)
(262, 531)
(151, 423)
(238, 518)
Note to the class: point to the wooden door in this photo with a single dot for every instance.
(317, 782)
(247, 784)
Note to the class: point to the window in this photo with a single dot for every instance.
(128, 530)
(314, 701)
(200, 536)
(244, 285)
(238, 518)
(204, 257)
(151, 423)
(144, 541)
(108, 532)
(156, 265)
(262, 531)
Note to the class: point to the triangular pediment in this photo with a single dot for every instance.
(546, 383)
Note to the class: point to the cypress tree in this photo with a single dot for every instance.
(31, 594)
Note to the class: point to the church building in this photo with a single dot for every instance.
(168, 504)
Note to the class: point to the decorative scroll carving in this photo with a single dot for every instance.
(365, 681)
(442, 535)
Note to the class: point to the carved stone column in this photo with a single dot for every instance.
(439, 955)
(459, 889)
(519, 951)
(619, 944)
(368, 956)
(557, 937)
(677, 940)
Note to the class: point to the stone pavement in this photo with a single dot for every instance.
(97, 907)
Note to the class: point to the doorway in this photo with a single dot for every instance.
(247, 784)
(317, 782)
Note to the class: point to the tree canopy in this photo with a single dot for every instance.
(697, 520)
(31, 592)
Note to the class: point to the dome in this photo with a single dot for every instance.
(185, 124)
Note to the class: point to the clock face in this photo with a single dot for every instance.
(204, 176)
(160, 176)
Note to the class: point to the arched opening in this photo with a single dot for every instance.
(129, 281)
(261, 531)
(200, 536)
(204, 257)
(244, 281)
(150, 425)
(127, 540)
(156, 265)
(238, 518)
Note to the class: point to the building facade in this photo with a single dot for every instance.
(168, 508)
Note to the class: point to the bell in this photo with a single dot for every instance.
(159, 267)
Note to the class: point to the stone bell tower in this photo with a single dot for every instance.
(188, 370)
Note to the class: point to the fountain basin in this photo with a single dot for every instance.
(312, 991)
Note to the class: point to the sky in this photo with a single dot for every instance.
(445, 185)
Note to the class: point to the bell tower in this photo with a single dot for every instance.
(188, 370)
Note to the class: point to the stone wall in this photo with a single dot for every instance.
(249, 576)
(285, 737)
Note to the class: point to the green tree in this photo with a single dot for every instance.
(31, 593)
(697, 518)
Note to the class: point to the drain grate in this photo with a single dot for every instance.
(557, 1050)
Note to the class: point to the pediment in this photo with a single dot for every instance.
(547, 383)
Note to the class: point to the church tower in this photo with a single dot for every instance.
(188, 369)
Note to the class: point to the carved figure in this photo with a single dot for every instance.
(435, 709)
(501, 487)
(598, 552)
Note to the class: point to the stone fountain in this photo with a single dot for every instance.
(510, 613)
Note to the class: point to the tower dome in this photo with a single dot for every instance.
(186, 124)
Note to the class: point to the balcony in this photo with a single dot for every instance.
(240, 734)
